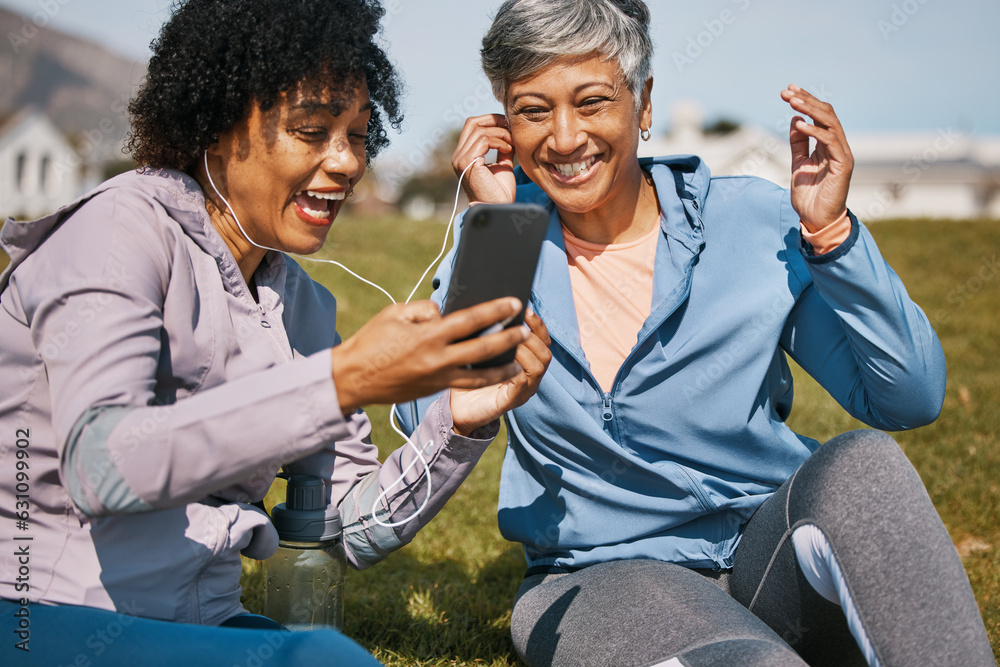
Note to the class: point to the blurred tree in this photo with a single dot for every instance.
(434, 185)
(721, 126)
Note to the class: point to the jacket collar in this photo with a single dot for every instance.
(682, 184)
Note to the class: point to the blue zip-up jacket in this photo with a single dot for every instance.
(672, 462)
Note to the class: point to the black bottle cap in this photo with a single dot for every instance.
(305, 515)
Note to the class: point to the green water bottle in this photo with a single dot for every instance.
(305, 577)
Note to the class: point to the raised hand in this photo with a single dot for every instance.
(820, 180)
(410, 350)
(487, 184)
(473, 408)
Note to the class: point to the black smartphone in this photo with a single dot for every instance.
(496, 257)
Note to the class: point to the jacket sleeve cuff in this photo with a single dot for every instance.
(833, 243)
(825, 239)
(399, 489)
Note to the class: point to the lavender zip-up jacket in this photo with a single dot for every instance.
(147, 400)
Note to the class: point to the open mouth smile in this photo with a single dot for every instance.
(315, 206)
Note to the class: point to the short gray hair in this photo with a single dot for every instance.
(528, 35)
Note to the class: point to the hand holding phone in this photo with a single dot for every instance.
(496, 257)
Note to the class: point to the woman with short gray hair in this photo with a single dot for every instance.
(526, 36)
(668, 514)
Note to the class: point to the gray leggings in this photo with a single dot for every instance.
(898, 562)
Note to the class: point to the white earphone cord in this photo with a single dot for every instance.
(392, 410)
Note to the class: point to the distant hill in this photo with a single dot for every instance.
(82, 86)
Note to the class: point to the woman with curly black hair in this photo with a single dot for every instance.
(163, 357)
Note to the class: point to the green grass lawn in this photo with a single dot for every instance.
(445, 598)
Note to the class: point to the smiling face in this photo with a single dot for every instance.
(575, 130)
(287, 170)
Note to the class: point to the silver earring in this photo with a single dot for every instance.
(645, 135)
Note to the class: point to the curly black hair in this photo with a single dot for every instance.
(213, 59)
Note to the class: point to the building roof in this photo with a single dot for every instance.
(736, 151)
(17, 123)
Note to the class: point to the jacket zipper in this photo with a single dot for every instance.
(607, 410)
(265, 323)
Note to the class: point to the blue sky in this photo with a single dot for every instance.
(886, 65)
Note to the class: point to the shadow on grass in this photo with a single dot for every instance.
(440, 610)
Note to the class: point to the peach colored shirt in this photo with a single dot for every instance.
(613, 295)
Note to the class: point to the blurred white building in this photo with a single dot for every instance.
(38, 166)
(939, 174)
